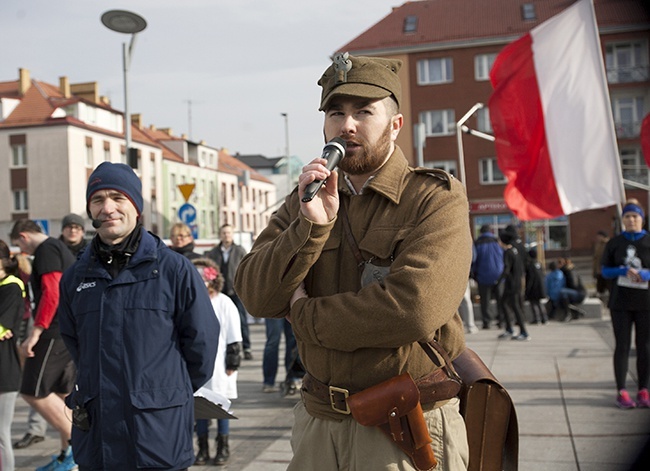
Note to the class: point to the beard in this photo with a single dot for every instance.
(363, 157)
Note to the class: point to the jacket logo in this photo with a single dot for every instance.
(82, 286)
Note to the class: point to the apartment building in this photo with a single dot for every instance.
(51, 138)
(448, 48)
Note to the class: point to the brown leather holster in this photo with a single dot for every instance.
(394, 407)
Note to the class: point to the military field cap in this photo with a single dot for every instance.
(366, 77)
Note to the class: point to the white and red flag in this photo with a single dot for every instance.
(552, 119)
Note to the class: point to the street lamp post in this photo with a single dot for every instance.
(459, 139)
(286, 151)
(127, 22)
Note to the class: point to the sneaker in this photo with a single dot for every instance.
(505, 335)
(643, 398)
(62, 462)
(521, 337)
(248, 355)
(624, 401)
(28, 440)
(270, 388)
(291, 387)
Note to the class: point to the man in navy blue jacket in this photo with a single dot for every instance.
(486, 271)
(140, 327)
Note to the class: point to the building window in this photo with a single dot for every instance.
(627, 62)
(483, 123)
(633, 166)
(528, 12)
(89, 152)
(432, 71)
(628, 114)
(439, 122)
(19, 155)
(482, 65)
(449, 166)
(21, 202)
(410, 24)
(554, 233)
(224, 197)
(495, 221)
(152, 170)
(490, 173)
(212, 193)
(172, 186)
(107, 151)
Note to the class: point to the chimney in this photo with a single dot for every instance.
(167, 131)
(88, 91)
(64, 86)
(184, 136)
(136, 120)
(23, 82)
(105, 100)
(153, 127)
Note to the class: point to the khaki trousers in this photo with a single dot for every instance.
(328, 445)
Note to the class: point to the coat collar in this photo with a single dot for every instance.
(390, 179)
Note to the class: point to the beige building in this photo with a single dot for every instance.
(51, 138)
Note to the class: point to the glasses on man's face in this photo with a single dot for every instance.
(74, 227)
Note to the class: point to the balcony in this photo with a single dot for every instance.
(627, 130)
(640, 73)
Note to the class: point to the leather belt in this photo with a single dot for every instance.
(337, 397)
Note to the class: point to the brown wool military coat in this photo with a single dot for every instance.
(351, 337)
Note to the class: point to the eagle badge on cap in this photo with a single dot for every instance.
(342, 65)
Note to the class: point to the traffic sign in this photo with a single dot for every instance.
(187, 213)
(44, 225)
(186, 190)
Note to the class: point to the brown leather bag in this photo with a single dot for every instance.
(394, 407)
(490, 416)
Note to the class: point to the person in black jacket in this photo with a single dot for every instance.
(12, 307)
(535, 287)
(626, 262)
(513, 272)
(227, 255)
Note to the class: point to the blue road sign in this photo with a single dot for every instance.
(45, 225)
(187, 213)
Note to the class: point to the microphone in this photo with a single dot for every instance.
(97, 223)
(333, 152)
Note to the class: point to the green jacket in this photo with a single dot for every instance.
(416, 221)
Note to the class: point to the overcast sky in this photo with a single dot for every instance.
(241, 63)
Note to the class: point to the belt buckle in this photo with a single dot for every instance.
(346, 394)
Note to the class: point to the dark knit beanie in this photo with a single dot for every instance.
(119, 177)
(72, 220)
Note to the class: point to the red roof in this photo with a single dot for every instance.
(459, 21)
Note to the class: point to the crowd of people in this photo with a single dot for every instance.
(45, 360)
(122, 331)
(507, 273)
